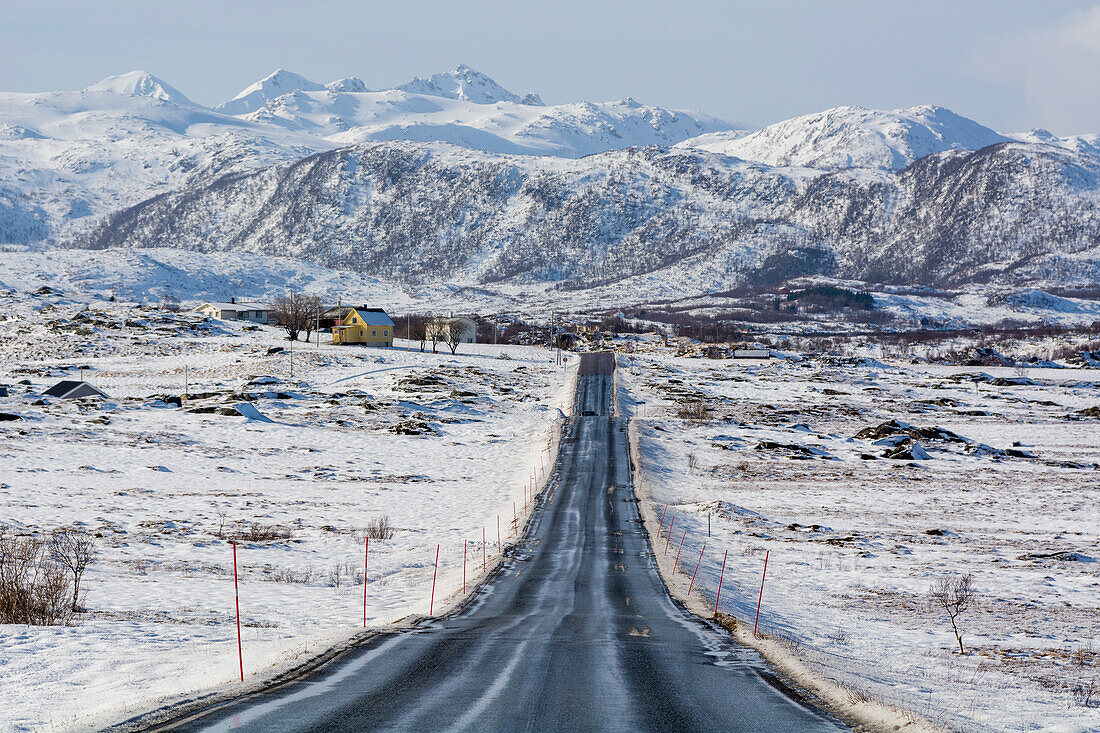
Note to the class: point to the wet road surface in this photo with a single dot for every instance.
(575, 633)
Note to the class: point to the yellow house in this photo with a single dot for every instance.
(367, 326)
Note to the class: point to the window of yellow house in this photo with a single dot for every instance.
(374, 333)
(385, 332)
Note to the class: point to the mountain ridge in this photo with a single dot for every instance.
(421, 213)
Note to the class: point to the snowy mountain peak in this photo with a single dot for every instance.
(140, 84)
(350, 84)
(273, 86)
(857, 137)
(467, 84)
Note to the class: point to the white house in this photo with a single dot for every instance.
(237, 311)
(465, 326)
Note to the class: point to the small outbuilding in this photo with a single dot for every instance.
(71, 389)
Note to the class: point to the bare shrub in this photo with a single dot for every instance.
(340, 574)
(1086, 693)
(73, 549)
(858, 697)
(34, 589)
(693, 463)
(954, 596)
(289, 575)
(695, 410)
(257, 532)
(380, 529)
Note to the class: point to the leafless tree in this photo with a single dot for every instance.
(418, 331)
(452, 334)
(74, 550)
(954, 596)
(296, 313)
(311, 307)
(434, 327)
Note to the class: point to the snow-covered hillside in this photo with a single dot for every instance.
(855, 137)
(421, 213)
(67, 158)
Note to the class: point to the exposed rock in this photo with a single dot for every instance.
(907, 451)
(892, 428)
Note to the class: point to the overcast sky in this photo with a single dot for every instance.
(1010, 64)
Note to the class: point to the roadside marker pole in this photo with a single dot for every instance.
(237, 602)
(761, 596)
(498, 534)
(720, 575)
(463, 567)
(484, 552)
(668, 537)
(515, 520)
(697, 562)
(661, 524)
(676, 562)
(431, 603)
(366, 552)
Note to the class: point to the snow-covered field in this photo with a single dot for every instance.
(857, 540)
(163, 489)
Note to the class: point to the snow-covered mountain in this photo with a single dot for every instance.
(468, 85)
(271, 87)
(454, 178)
(419, 213)
(141, 84)
(68, 158)
(855, 137)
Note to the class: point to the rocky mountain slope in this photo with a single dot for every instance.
(423, 213)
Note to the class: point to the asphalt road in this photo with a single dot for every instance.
(576, 633)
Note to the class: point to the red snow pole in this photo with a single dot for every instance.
(668, 537)
(237, 601)
(431, 603)
(761, 596)
(463, 567)
(484, 552)
(697, 562)
(676, 562)
(719, 593)
(661, 524)
(366, 552)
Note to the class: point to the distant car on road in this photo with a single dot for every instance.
(588, 413)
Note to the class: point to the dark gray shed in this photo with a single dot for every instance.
(69, 389)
